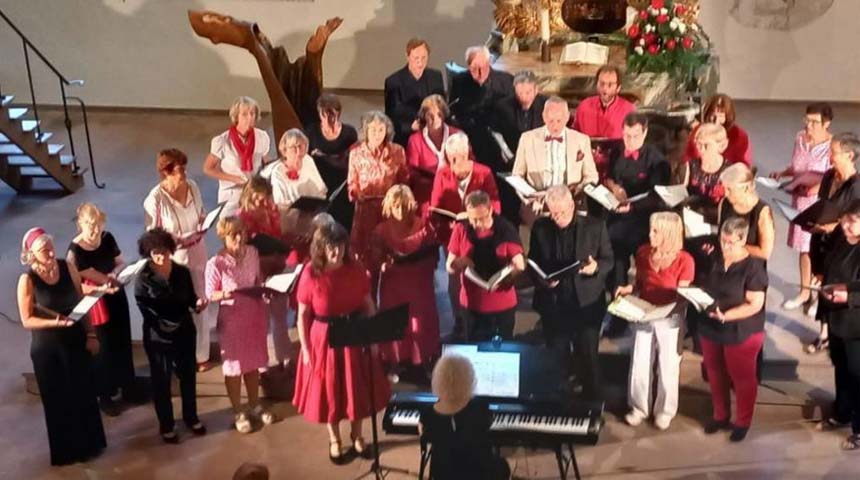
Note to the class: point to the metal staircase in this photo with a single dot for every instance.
(26, 153)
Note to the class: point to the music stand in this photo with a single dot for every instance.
(360, 331)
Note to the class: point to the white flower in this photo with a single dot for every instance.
(649, 28)
(639, 50)
(695, 27)
(664, 11)
(642, 41)
(682, 27)
(653, 11)
(673, 24)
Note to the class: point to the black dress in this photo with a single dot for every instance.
(114, 364)
(64, 374)
(460, 443)
(332, 161)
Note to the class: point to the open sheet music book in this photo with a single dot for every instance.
(770, 183)
(208, 222)
(585, 52)
(520, 185)
(507, 154)
(448, 213)
(491, 283)
(552, 275)
(698, 298)
(607, 199)
(634, 309)
(695, 224)
(672, 195)
(281, 283)
(127, 274)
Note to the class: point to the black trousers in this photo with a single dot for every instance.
(484, 326)
(114, 363)
(575, 334)
(845, 355)
(164, 361)
(626, 233)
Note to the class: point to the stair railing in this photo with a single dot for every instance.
(64, 82)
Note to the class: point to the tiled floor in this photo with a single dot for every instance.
(782, 443)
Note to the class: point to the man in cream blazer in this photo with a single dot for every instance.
(553, 155)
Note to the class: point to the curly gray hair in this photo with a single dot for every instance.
(372, 117)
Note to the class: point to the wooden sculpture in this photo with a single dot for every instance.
(293, 87)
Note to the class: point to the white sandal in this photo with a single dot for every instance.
(243, 425)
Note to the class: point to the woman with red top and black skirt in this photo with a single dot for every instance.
(733, 333)
(332, 383)
(486, 243)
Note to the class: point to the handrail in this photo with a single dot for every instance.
(36, 50)
(28, 45)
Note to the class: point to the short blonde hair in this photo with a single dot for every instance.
(229, 226)
(453, 379)
(27, 256)
(398, 196)
(671, 228)
(89, 211)
(432, 101)
(240, 102)
(736, 175)
(292, 134)
(711, 132)
(375, 116)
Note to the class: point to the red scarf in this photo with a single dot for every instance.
(244, 149)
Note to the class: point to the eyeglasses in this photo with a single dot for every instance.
(811, 121)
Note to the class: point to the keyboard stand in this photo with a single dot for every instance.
(425, 458)
(565, 461)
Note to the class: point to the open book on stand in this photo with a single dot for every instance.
(634, 309)
(491, 283)
(552, 275)
(585, 52)
(698, 298)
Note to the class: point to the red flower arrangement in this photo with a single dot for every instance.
(657, 33)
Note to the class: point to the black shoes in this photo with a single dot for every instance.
(714, 426)
(738, 433)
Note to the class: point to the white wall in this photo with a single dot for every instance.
(142, 53)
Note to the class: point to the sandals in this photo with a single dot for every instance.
(264, 415)
(339, 458)
(242, 423)
(818, 346)
(852, 442)
(361, 449)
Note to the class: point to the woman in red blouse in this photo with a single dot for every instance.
(331, 383)
(375, 165)
(486, 244)
(720, 110)
(661, 267)
(425, 152)
(406, 254)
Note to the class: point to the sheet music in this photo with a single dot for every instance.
(695, 225)
(128, 273)
(786, 210)
(84, 306)
(212, 216)
(497, 374)
(520, 185)
(673, 195)
(768, 182)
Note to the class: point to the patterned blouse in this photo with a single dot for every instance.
(372, 175)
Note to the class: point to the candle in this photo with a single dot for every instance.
(544, 24)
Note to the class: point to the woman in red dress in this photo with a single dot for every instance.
(407, 251)
(375, 165)
(332, 383)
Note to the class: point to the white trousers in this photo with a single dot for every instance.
(660, 337)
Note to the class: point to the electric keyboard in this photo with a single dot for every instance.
(515, 422)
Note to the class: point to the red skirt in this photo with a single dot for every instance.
(412, 283)
(334, 385)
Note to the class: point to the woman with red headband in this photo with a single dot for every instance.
(61, 350)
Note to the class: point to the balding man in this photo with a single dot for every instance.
(473, 97)
(571, 306)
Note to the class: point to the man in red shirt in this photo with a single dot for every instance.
(601, 116)
(481, 247)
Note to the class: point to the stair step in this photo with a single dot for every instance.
(26, 161)
(44, 137)
(4, 138)
(55, 148)
(28, 125)
(6, 99)
(10, 149)
(33, 172)
(16, 113)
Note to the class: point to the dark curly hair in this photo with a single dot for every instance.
(155, 239)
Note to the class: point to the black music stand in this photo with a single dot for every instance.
(360, 331)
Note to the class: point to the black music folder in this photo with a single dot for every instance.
(819, 213)
(360, 330)
(268, 245)
(430, 251)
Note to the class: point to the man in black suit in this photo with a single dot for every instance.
(406, 88)
(572, 305)
(520, 112)
(473, 97)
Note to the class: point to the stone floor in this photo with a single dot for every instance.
(782, 443)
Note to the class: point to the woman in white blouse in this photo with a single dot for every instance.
(238, 153)
(176, 206)
(294, 176)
